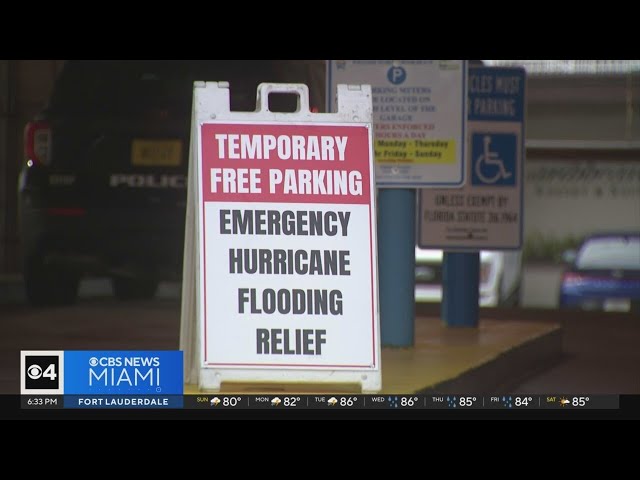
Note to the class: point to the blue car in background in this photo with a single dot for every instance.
(604, 273)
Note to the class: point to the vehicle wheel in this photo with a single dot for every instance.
(46, 285)
(126, 288)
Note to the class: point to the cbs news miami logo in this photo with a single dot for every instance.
(101, 372)
(42, 372)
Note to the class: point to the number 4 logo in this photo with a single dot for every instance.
(34, 371)
(41, 372)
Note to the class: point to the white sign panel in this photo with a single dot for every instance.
(487, 212)
(287, 246)
(419, 115)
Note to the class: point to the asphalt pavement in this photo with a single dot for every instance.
(601, 350)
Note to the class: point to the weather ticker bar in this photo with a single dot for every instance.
(323, 402)
(393, 402)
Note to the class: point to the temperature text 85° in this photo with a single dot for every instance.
(467, 401)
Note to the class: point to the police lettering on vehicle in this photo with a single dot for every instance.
(149, 180)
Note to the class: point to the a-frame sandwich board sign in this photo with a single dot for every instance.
(280, 259)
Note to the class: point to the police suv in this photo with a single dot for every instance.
(103, 187)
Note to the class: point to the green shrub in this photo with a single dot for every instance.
(547, 248)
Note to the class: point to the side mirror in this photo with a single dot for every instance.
(569, 256)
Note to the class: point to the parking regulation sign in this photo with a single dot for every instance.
(487, 212)
(419, 116)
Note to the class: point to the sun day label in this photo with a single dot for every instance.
(287, 245)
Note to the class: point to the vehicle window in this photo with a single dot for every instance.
(610, 252)
(109, 87)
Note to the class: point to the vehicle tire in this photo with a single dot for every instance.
(47, 285)
(126, 288)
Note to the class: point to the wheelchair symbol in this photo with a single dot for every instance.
(488, 160)
(494, 159)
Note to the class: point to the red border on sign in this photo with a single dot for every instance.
(356, 157)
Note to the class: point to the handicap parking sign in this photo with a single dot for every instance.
(488, 213)
(494, 159)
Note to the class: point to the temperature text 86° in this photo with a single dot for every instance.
(347, 401)
(409, 402)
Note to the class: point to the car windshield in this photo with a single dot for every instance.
(106, 87)
(610, 252)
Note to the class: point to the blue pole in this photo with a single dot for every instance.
(460, 284)
(396, 265)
